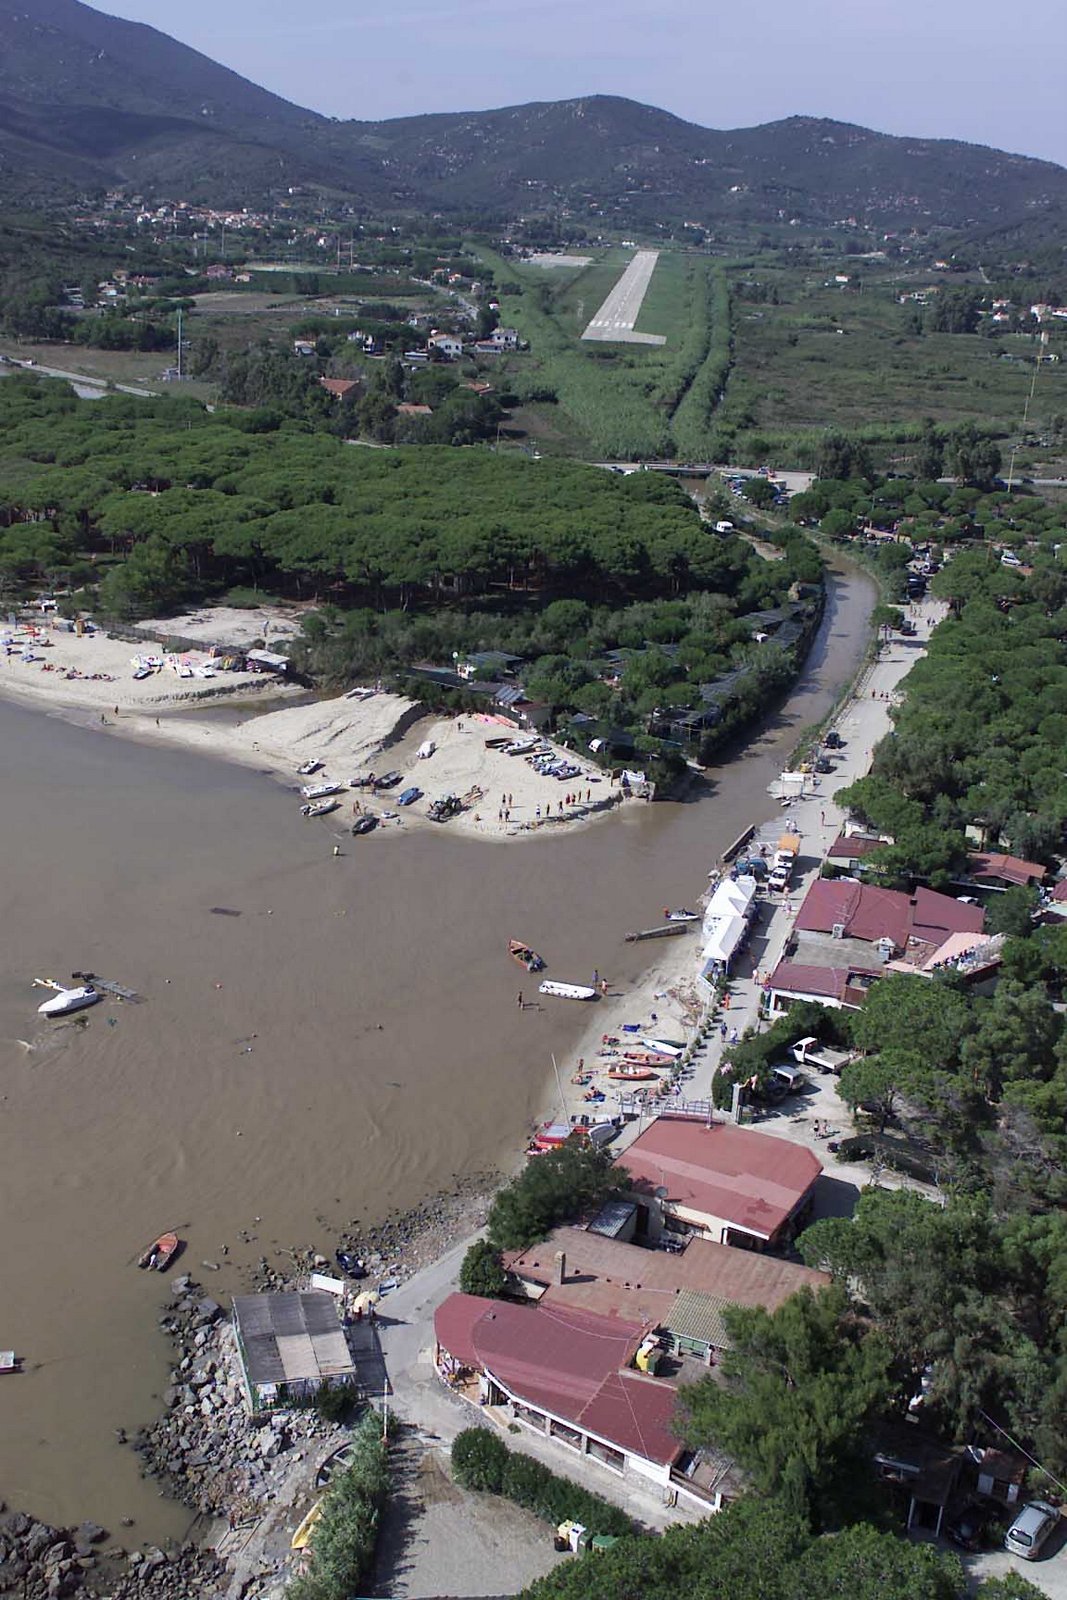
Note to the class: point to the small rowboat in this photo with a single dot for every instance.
(629, 1070)
(568, 991)
(160, 1253)
(525, 956)
(647, 1058)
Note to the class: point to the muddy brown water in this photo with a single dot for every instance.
(344, 1047)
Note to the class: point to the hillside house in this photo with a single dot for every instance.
(448, 345)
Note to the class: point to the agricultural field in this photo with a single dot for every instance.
(614, 400)
(824, 357)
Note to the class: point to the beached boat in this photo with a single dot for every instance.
(64, 1001)
(664, 1047)
(160, 1253)
(525, 956)
(364, 825)
(319, 808)
(498, 742)
(9, 1361)
(389, 780)
(321, 791)
(306, 768)
(302, 1537)
(647, 1058)
(683, 916)
(568, 991)
(630, 1071)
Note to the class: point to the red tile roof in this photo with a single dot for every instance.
(568, 1362)
(870, 913)
(852, 846)
(615, 1279)
(991, 864)
(1059, 893)
(796, 977)
(750, 1180)
(339, 386)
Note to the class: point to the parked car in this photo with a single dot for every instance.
(971, 1526)
(1031, 1530)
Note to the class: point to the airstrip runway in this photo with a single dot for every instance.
(616, 317)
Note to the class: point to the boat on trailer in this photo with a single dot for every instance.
(568, 991)
(525, 956)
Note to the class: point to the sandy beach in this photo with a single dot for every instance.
(90, 679)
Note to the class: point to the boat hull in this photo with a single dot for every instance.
(567, 991)
(67, 1001)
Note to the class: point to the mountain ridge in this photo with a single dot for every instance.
(91, 100)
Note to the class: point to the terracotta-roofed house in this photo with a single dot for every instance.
(915, 924)
(734, 1185)
(843, 987)
(993, 870)
(576, 1267)
(340, 388)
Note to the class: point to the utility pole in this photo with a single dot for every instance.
(180, 372)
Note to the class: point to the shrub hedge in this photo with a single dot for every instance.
(481, 1460)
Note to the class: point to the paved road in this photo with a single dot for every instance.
(616, 318)
(86, 387)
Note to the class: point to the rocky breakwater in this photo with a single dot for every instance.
(205, 1449)
(39, 1562)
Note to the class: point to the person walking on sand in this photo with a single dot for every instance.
(520, 1002)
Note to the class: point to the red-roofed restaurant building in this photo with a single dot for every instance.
(733, 1185)
(570, 1375)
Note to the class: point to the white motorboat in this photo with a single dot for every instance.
(319, 808)
(306, 768)
(321, 791)
(64, 1001)
(567, 991)
(683, 916)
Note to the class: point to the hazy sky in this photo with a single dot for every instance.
(962, 69)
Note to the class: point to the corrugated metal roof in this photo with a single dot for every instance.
(291, 1337)
(699, 1317)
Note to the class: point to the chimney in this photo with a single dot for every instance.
(561, 1267)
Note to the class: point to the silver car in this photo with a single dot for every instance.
(1031, 1529)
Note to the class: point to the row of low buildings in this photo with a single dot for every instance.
(606, 1321)
(849, 932)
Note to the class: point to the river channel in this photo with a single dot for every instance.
(343, 1047)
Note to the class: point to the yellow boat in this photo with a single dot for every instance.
(302, 1537)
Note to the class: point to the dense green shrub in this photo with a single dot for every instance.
(344, 1541)
(479, 1459)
